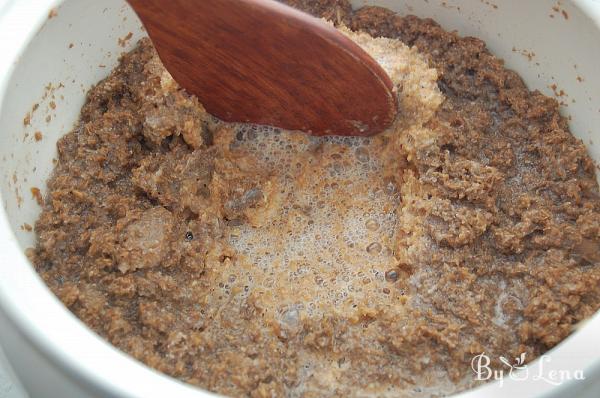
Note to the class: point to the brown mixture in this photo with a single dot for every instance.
(257, 262)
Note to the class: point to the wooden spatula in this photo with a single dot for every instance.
(259, 61)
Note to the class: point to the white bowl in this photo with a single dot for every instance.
(53, 353)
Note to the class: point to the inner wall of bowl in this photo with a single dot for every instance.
(79, 44)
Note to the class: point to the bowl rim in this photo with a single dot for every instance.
(48, 326)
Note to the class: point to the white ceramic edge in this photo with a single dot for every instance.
(56, 333)
(53, 336)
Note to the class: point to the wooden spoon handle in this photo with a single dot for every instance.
(259, 61)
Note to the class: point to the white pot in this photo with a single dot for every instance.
(53, 353)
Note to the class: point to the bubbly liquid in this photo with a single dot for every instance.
(324, 239)
(326, 243)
